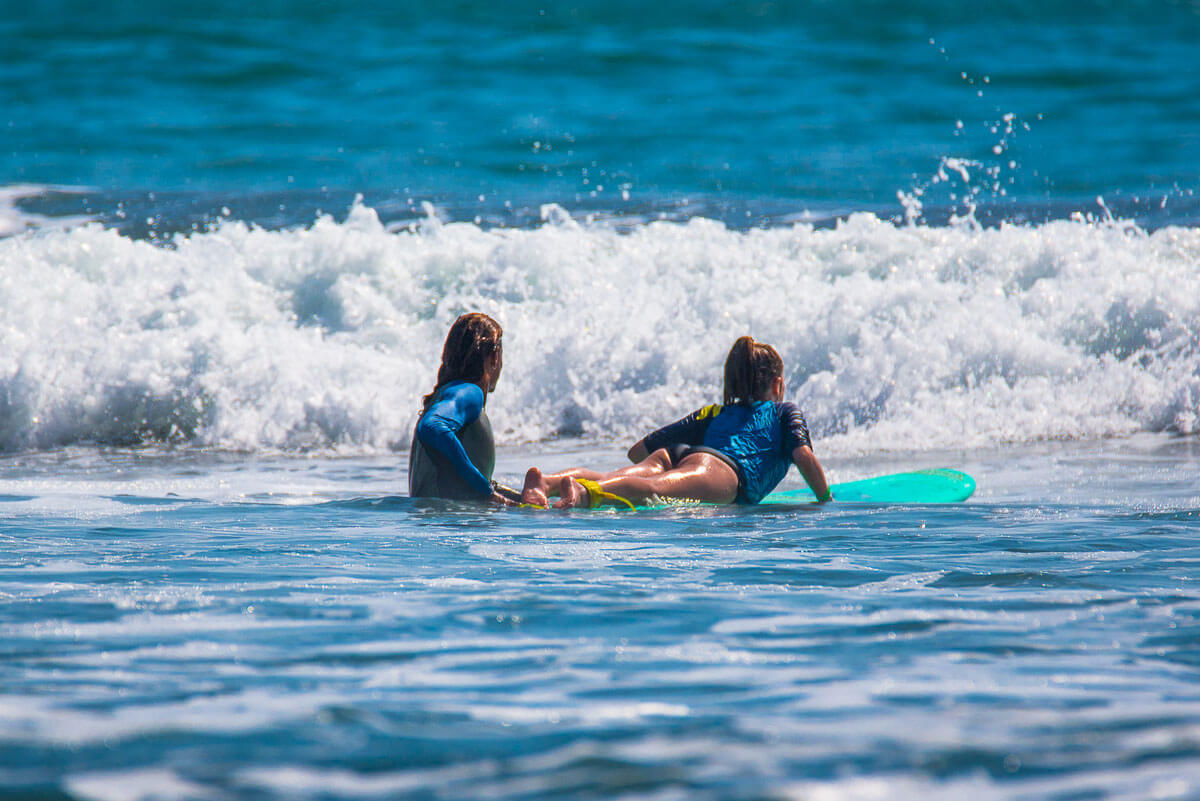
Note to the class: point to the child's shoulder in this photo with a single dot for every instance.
(462, 394)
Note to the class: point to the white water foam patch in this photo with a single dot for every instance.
(146, 784)
(15, 220)
(904, 338)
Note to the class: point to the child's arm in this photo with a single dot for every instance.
(806, 462)
(797, 438)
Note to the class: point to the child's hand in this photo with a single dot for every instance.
(500, 500)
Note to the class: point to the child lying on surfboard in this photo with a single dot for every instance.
(736, 452)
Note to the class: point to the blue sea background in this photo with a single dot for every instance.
(778, 107)
(233, 236)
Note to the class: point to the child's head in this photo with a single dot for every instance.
(751, 371)
(472, 353)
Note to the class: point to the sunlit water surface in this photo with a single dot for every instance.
(178, 626)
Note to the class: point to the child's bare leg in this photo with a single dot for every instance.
(654, 464)
(540, 487)
(635, 489)
(535, 491)
(699, 477)
(572, 493)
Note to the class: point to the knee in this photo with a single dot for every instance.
(661, 458)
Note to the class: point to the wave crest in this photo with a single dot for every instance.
(326, 337)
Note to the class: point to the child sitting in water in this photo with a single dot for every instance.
(735, 452)
(453, 453)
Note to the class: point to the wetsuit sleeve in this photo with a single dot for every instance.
(688, 431)
(795, 428)
(438, 428)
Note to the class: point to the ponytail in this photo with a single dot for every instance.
(472, 339)
(750, 368)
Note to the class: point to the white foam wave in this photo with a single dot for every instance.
(894, 338)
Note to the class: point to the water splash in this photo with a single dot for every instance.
(324, 337)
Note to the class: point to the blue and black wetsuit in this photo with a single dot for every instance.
(453, 454)
(756, 440)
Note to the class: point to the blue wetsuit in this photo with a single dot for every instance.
(442, 467)
(757, 440)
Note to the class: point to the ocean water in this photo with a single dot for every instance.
(249, 627)
(232, 239)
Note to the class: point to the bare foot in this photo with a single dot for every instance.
(573, 495)
(535, 490)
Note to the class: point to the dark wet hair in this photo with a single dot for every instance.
(750, 368)
(472, 339)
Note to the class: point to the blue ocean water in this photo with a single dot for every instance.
(240, 627)
(232, 238)
(751, 111)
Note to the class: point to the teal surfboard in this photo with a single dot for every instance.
(939, 485)
(920, 486)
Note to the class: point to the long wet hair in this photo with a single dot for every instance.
(472, 339)
(750, 368)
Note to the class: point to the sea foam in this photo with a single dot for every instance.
(326, 337)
